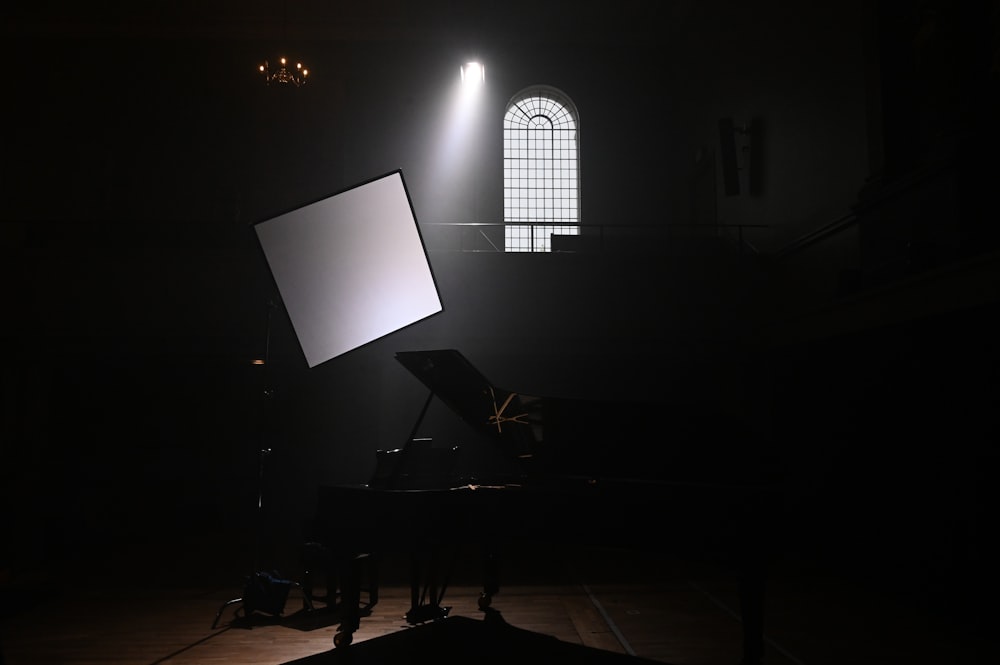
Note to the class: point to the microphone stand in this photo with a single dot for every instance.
(262, 591)
(267, 394)
(258, 538)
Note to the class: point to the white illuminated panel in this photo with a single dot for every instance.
(350, 268)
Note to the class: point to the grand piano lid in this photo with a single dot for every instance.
(494, 412)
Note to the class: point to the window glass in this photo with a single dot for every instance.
(541, 170)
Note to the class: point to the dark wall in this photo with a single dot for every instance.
(890, 431)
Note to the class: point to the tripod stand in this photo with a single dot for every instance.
(264, 591)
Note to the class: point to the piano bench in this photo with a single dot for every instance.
(341, 571)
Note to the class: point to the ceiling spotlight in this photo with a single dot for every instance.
(473, 74)
(296, 75)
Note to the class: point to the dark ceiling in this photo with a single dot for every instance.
(336, 20)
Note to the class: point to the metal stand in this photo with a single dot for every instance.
(264, 591)
(247, 597)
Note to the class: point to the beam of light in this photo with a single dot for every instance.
(455, 146)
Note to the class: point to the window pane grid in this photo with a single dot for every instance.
(540, 172)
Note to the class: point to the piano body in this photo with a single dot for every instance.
(537, 469)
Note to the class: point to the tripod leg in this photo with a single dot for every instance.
(306, 596)
(222, 609)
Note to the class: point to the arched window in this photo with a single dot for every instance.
(541, 169)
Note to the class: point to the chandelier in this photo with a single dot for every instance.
(284, 73)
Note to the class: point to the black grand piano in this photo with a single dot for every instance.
(532, 469)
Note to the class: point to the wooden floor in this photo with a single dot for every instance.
(576, 606)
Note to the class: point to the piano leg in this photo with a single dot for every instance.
(350, 601)
(426, 587)
(491, 578)
(352, 569)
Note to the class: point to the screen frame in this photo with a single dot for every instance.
(351, 267)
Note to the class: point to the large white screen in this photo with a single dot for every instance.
(350, 268)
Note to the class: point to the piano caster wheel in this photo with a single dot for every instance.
(342, 639)
(484, 600)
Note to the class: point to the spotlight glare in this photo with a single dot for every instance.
(473, 74)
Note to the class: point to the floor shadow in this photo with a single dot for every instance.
(460, 640)
(304, 619)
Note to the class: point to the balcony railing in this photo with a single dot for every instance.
(630, 237)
